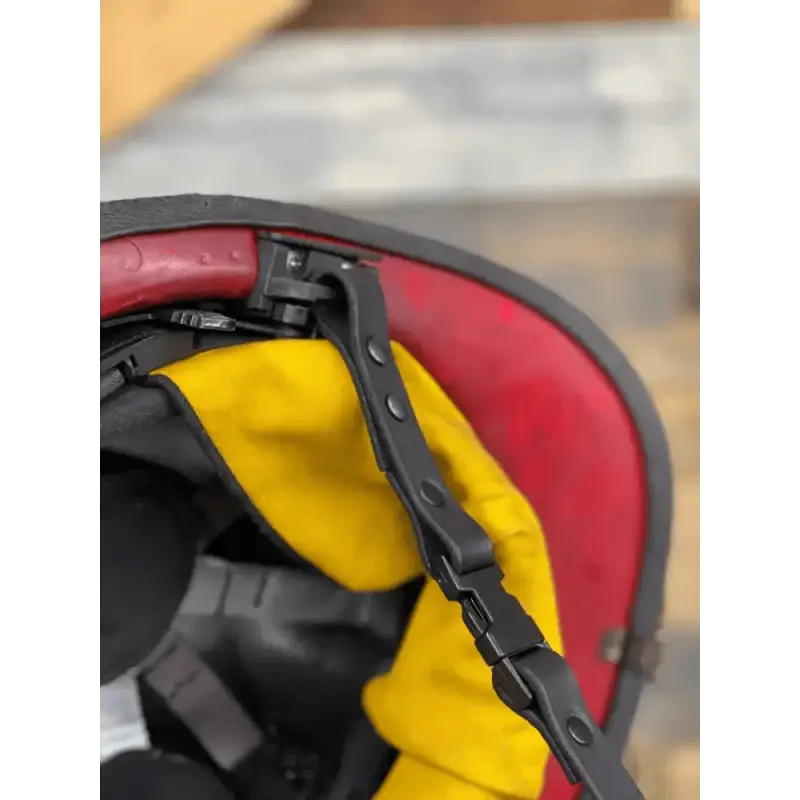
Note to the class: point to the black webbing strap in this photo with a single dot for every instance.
(194, 693)
(257, 766)
(196, 696)
(528, 676)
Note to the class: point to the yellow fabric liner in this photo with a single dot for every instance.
(285, 417)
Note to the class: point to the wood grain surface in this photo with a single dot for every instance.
(687, 9)
(413, 13)
(150, 49)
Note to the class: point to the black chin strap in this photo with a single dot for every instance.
(528, 676)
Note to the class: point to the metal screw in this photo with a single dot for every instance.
(294, 263)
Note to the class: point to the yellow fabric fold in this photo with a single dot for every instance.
(286, 419)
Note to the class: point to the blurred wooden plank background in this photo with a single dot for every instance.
(687, 9)
(414, 13)
(664, 749)
(149, 50)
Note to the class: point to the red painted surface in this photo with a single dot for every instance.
(540, 405)
(144, 271)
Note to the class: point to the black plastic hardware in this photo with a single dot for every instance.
(352, 254)
(147, 350)
(145, 342)
(110, 382)
(281, 293)
(213, 322)
(198, 320)
(528, 676)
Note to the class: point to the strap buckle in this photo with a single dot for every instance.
(495, 618)
(534, 681)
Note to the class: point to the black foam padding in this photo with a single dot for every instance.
(142, 423)
(167, 443)
(365, 763)
(149, 531)
(151, 775)
(131, 407)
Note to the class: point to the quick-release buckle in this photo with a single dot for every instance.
(496, 619)
(504, 633)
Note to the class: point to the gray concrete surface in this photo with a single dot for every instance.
(344, 118)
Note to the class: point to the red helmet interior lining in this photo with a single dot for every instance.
(550, 396)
